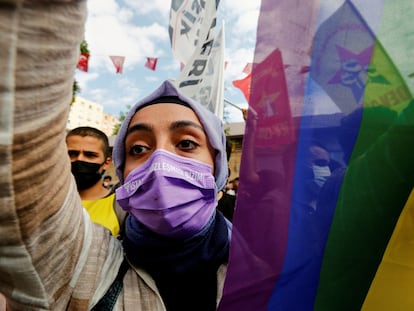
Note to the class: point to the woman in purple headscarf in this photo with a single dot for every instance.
(169, 155)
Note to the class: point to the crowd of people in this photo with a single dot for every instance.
(90, 156)
(89, 153)
(157, 240)
(62, 254)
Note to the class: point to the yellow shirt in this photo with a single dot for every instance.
(102, 212)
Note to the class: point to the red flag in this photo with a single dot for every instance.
(118, 62)
(83, 62)
(151, 63)
(244, 85)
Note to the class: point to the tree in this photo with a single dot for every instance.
(75, 89)
(122, 116)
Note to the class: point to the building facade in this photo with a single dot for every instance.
(235, 133)
(84, 112)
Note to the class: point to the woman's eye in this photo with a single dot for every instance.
(137, 149)
(187, 144)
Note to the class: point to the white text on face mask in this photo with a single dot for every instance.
(165, 167)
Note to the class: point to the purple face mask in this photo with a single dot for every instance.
(171, 195)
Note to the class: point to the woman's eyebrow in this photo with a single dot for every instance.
(139, 127)
(145, 127)
(185, 123)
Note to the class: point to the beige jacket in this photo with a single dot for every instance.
(51, 255)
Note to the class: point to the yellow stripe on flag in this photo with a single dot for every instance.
(392, 288)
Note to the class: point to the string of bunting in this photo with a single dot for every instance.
(151, 63)
(118, 61)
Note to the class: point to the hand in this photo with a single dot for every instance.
(244, 111)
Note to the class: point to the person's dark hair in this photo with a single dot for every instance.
(93, 132)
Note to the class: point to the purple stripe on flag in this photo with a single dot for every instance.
(260, 231)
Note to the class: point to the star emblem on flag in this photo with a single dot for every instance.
(356, 71)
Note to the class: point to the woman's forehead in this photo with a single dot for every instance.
(164, 112)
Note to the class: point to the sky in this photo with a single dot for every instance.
(139, 29)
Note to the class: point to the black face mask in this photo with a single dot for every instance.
(86, 174)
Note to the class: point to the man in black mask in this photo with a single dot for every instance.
(89, 153)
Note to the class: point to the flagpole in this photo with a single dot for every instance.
(254, 112)
(235, 106)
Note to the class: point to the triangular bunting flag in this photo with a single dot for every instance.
(83, 62)
(118, 62)
(151, 63)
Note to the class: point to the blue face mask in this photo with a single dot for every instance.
(171, 195)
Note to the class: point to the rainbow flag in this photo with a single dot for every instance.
(323, 217)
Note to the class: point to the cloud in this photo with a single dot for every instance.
(83, 78)
(237, 60)
(240, 26)
(147, 7)
(241, 14)
(112, 30)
